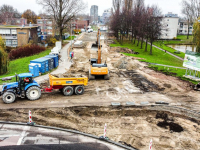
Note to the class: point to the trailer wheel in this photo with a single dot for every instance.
(79, 90)
(68, 91)
(9, 97)
(33, 93)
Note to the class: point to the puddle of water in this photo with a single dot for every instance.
(183, 48)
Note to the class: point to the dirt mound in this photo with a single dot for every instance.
(126, 63)
(123, 50)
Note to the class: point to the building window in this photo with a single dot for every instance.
(49, 22)
(167, 25)
(167, 19)
(166, 34)
(8, 43)
(49, 28)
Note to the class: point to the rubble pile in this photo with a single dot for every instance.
(126, 63)
(124, 50)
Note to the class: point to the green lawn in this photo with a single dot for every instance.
(184, 37)
(169, 49)
(21, 65)
(158, 57)
(71, 37)
(183, 40)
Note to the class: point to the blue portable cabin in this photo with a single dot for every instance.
(34, 69)
(43, 65)
(56, 60)
(50, 62)
(46, 62)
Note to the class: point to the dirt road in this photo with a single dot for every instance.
(131, 81)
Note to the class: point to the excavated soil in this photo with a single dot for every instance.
(133, 126)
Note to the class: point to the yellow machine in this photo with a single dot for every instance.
(67, 86)
(98, 68)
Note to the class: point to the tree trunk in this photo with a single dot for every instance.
(188, 30)
(146, 45)
(61, 31)
(151, 48)
(138, 41)
(142, 42)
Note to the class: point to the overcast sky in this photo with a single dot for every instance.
(165, 5)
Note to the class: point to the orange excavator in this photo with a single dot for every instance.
(98, 68)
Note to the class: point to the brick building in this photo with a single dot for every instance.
(80, 24)
(46, 26)
(18, 35)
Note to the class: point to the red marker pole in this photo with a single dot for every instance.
(31, 123)
(150, 145)
(30, 117)
(105, 130)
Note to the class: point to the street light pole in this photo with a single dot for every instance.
(71, 35)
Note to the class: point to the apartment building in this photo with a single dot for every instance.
(18, 35)
(183, 27)
(46, 26)
(106, 16)
(170, 24)
(94, 14)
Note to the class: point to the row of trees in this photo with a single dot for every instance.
(133, 20)
(191, 11)
(8, 15)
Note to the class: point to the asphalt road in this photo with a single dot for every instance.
(29, 137)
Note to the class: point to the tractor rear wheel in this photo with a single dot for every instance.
(33, 93)
(79, 90)
(9, 97)
(68, 90)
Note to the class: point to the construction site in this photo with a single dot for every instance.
(137, 103)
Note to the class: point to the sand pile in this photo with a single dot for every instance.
(126, 63)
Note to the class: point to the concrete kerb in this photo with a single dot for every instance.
(71, 131)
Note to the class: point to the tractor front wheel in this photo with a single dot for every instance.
(33, 93)
(9, 97)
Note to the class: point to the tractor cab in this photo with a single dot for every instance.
(24, 79)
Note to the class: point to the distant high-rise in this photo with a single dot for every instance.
(94, 13)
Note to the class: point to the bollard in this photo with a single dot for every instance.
(104, 136)
(150, 144)
(30, 120)
(105, 131)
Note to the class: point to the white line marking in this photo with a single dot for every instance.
(22, 135)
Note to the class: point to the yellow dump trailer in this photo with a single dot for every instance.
(67, 86)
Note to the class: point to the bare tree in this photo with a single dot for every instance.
(62, 11)
(191, 7)
(188, 13)
(8, 14)
(154, 25)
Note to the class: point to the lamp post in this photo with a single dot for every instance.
(71, 35)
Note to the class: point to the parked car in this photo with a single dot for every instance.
(90, 30)
(82, 30)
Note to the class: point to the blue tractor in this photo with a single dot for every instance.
(24, 86)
